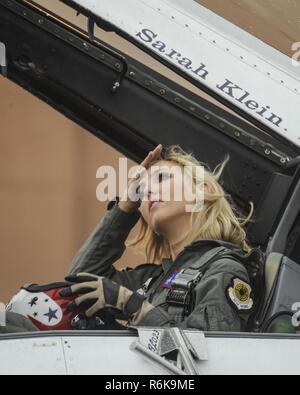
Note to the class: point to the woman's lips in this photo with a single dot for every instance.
(152, 205)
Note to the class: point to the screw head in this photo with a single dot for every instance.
(26, 47)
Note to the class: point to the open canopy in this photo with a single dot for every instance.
(132, 107)
(246, 73)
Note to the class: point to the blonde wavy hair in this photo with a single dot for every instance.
(218, 219)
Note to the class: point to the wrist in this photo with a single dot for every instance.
(133, 303)
(138, 317)
(125, 205)
(128, 207)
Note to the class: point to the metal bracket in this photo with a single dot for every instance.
(91, 29)
(91, 32)
(293, 163)
(3, 62)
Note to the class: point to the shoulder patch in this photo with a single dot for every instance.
(240, 295)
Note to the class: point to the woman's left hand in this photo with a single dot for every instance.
(96, 293)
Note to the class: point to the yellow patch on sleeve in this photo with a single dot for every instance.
(240, 294)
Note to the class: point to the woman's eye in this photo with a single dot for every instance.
(141, 190)
(163, 177)
(142, 194)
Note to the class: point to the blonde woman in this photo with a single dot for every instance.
(193, 278)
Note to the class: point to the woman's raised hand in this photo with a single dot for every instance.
(126, 203)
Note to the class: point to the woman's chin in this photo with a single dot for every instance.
(158, 222)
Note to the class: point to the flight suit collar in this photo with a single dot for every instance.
(166, 264)
(197, 246)
(202, 246)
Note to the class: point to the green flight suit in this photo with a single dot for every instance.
(213, 311)
(16, 323)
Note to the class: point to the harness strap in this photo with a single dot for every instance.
(179, 298)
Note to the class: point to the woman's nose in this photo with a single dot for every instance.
(150, 191)
(148, 194)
